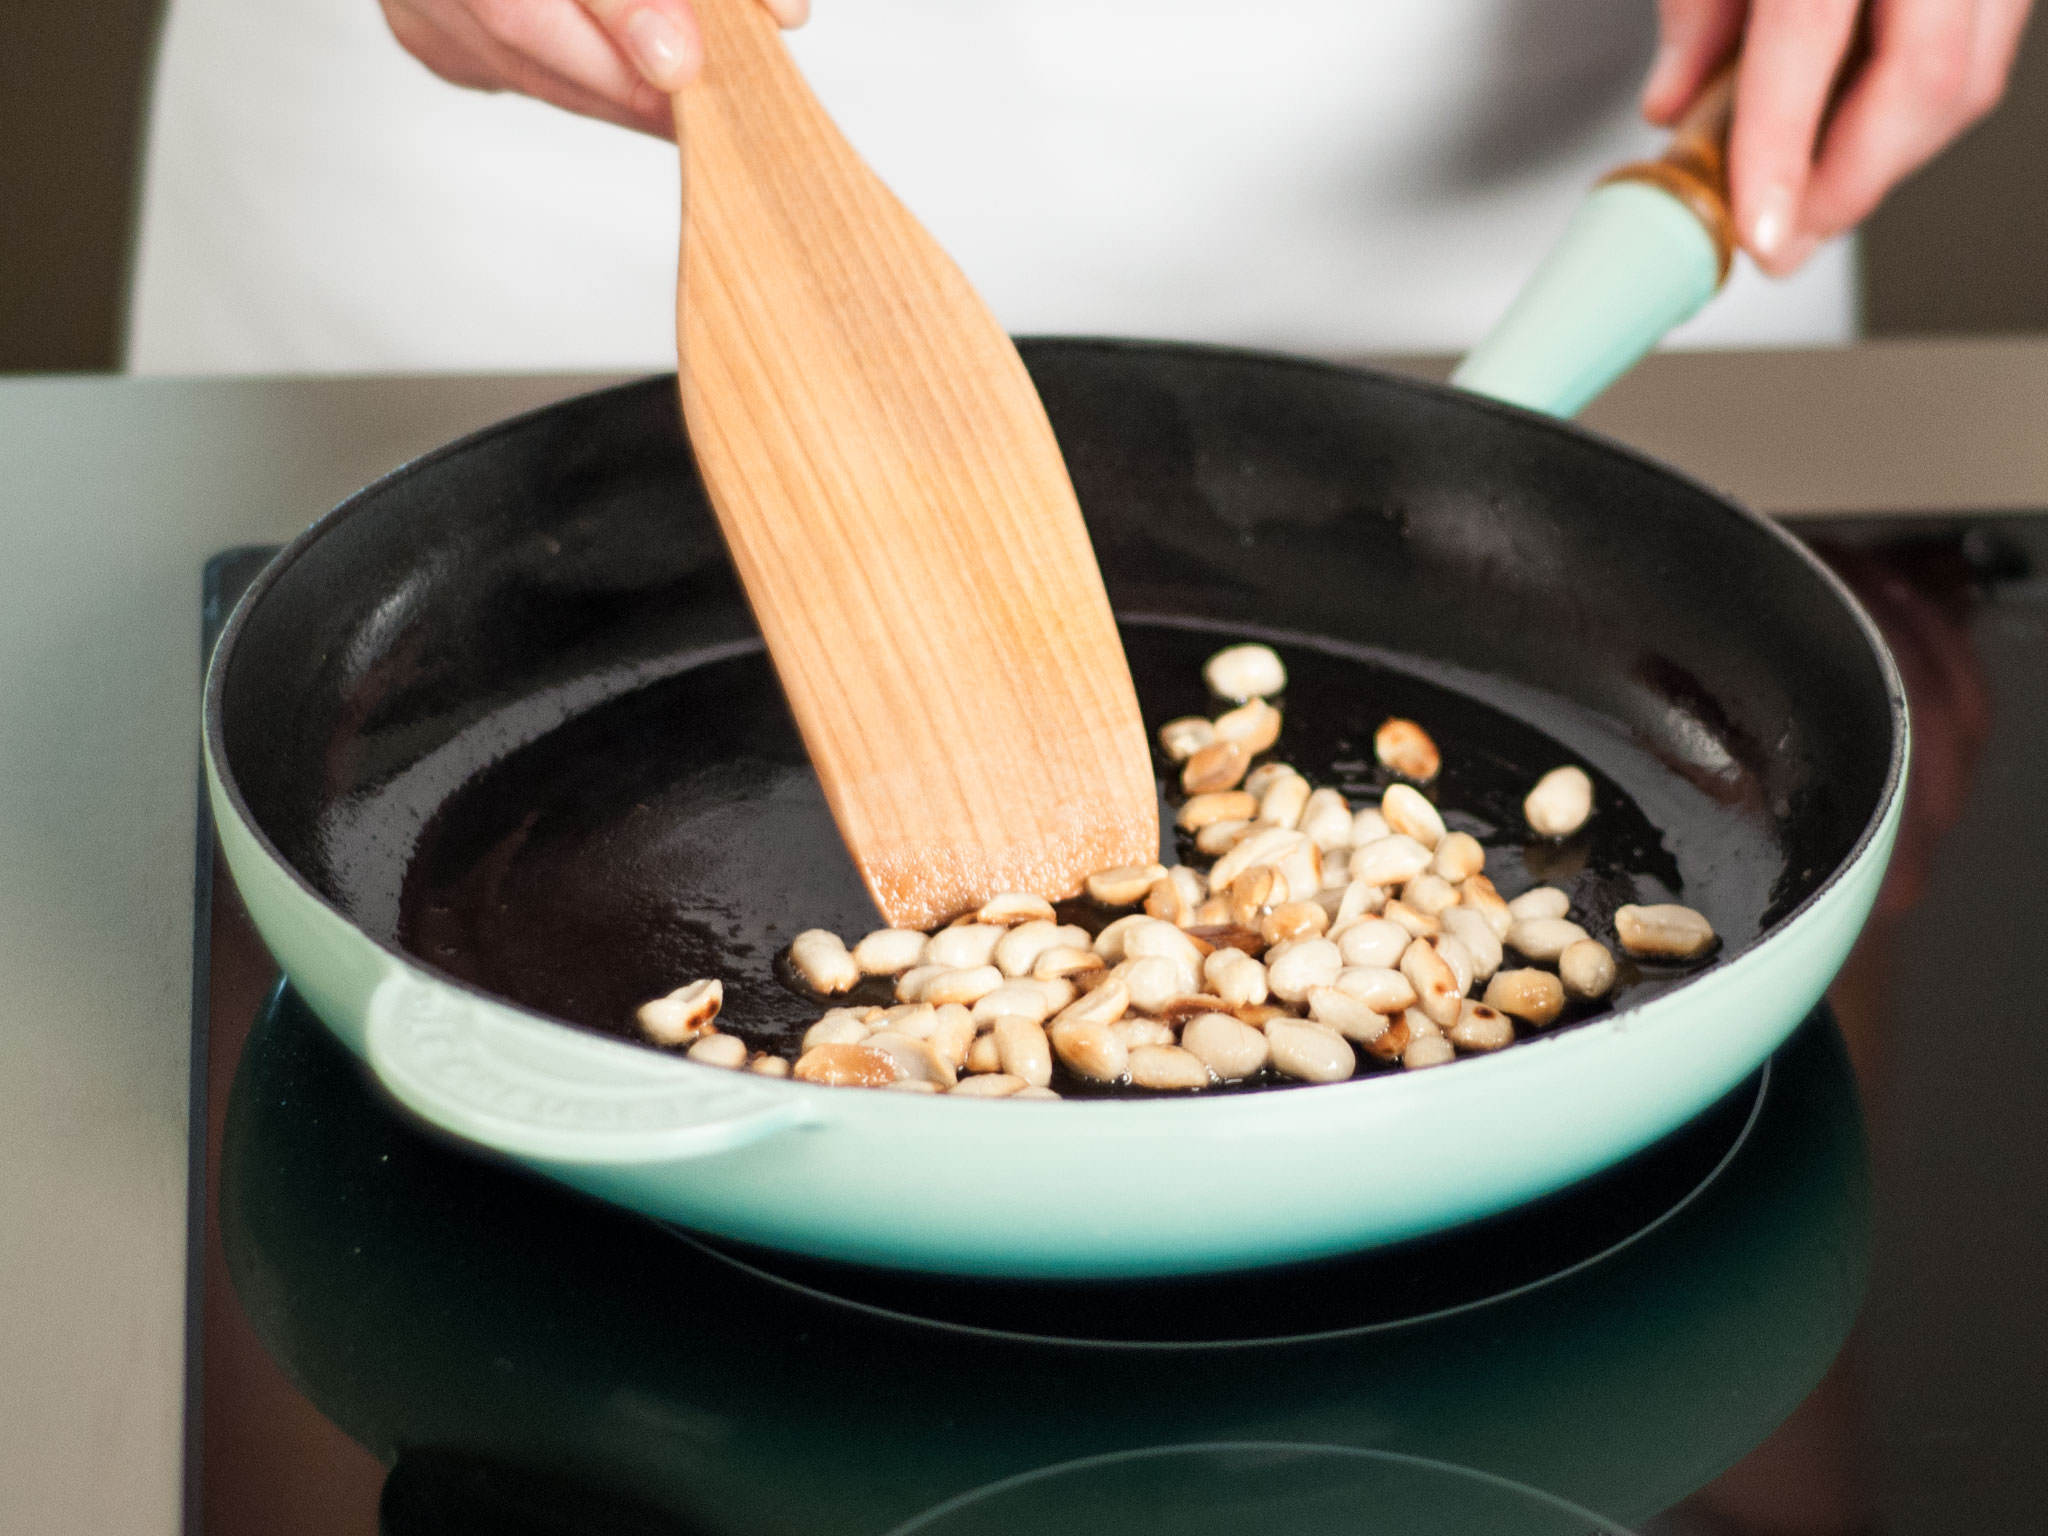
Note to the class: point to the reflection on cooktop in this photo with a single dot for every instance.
(1428, 1280)
(430, 1302)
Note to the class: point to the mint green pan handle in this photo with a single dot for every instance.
(1649, 246)
(539, 1091)
(1634, 263)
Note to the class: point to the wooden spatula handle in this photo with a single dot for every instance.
(868, 435)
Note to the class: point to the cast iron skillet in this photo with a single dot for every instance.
(497, 756)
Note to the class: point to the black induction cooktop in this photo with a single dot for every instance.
(1809, 1310)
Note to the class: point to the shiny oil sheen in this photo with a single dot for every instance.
(678, 832)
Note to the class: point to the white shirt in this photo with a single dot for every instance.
(1324, 175)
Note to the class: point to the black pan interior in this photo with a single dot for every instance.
(507, 709)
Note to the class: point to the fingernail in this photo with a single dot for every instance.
(658, 48)
(1773, 222)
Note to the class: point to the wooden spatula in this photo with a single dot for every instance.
(897, 508)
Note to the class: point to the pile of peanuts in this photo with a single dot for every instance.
(1317, 932)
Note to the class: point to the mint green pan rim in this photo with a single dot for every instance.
(1102, 1188)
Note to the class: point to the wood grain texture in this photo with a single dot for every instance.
(897, 509)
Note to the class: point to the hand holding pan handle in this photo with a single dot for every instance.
(537, 1091)
(1648, 247)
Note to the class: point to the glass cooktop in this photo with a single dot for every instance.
(1811, 1310)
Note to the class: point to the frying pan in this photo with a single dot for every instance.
(495, 754)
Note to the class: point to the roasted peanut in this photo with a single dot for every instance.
(1090, 1049)
(1408, 811)
(1014, 907)
(1540, 901)
(1165, 1067)
(837, 1028)
(1104, 1006)
(683, 1015)
(1419, 924)
(1481, 1028)
(1430, 894)
(1263, 777)
(1309, 1052)
(1293, 920)
(1373, 941)
(1379, 987)
(1023, 1049)
(1219, 837)
(1064, 960)
(989, 1085)
(718, 1051)
(1436, 985)
(1458, 958)
(1392, 860)
(953, 1031)
(1241, 672)
(967, 985)
(1544, 938)
(1459, 856)
(1478, 893)
(915, 1060)
(1429, 1051)
(1217, 766)
(1170, 901)
(846, 1066)
(1326, 820)
(1471, 929)
(1019, 948)
(1230, 1048)
(1293, 969)
(1368, 826)
(889, 951)
(1182, 739)
(1586, 969)
(1534, 996)
(1345, 1014)
(1284, 800)
(1404, 747)
(1123, 885)
(1223, 805)
(1236, 977)
(1560, 803)
(983, 1055)
(1359, 898)
(1269, 845)
(1663, 932)
(820, 958)
(1022, 999)
(1254, 726)
(1134, 1032)
(964, 945)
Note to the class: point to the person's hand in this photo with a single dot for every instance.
(619, 60)
(1921, 72)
